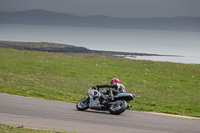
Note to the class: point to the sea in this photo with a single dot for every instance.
(184, 45)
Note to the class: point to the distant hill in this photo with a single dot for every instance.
(42, 17)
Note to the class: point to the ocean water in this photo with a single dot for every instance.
(184, 44)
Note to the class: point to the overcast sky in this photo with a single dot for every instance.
(115, 8)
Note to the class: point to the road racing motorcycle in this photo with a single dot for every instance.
(105, 100)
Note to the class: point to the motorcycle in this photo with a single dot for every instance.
(105, 100)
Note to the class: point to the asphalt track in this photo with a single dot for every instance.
(44, 114)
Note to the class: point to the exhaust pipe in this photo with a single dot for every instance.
(129, 106)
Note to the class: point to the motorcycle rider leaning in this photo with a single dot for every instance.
(114, 84)
(119, 88)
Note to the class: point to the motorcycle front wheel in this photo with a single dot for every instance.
(83, 104)
(119, 107)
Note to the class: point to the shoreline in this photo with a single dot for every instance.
(65, 48)
(70, 49)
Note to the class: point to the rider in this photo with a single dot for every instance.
(119, 88)
(114, 84)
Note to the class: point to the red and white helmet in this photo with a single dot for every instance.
(114, 80)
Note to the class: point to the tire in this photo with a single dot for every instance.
(119, 108)
(83, 104)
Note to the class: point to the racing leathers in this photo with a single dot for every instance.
(118, 87)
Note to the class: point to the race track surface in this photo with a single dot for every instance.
(54, 115)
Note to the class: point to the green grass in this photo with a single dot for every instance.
(11, 129)
(159, 86)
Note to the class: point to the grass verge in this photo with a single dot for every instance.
(20, 129)
(159, 86)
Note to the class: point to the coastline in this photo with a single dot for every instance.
(65, 48)
(70, 49)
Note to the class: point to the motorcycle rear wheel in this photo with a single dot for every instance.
(119, 107)
(83, 104)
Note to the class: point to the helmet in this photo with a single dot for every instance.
(114, 80)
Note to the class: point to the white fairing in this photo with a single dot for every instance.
(94, 98)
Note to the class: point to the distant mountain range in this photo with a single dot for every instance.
(42, 17)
